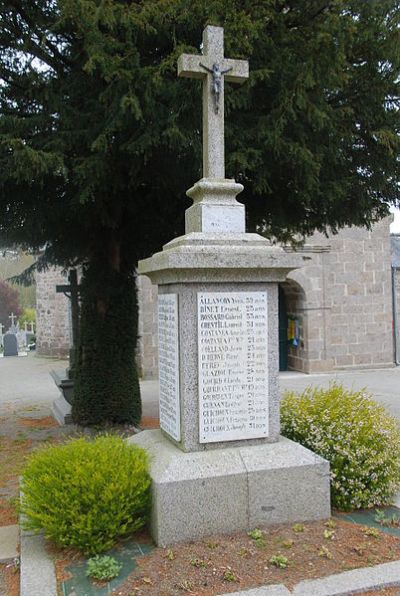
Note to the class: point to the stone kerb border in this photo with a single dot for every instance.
(38, 576)
(386, 575)
(37, 569)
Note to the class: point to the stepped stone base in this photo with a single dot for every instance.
(61, 408)
(229, 490)
(61, 411)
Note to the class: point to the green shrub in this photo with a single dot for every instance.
(28, 316)
(356, 435)
(103, 568)
(86, 493)
(279, 561)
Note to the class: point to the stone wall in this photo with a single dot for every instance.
(147, 351)
(362, 311)
(52, 315)
(347, 314)
(305, 291)
(395, 246)
(396, 283)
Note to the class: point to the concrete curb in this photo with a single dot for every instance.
(38, 577)
(386, 575)
(350, 582)
(272, 590)
(38, 574)
(8, 543)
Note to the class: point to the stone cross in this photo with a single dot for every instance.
(71, 291)
(12, 317)
(32, 326)
(213, 68)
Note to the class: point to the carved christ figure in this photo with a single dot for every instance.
(213, 82)
(217, 74)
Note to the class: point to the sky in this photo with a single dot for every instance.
(395, 226)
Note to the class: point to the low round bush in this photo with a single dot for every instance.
(103, 568)
(355, 434)
(86, 493)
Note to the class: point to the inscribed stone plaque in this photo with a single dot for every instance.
(221, 218)
(168, 353)
(233, 365)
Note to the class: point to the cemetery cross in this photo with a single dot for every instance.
(12, 317)
(213, 68)
(71, 291)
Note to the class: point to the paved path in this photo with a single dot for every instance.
(26, 381)
(383, 384)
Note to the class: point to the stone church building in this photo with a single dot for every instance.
(338, 311)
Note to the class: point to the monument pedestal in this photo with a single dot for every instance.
(218, 332)
(195, 495)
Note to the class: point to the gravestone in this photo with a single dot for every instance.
(218, 463)
(21, 339)
(10, 345)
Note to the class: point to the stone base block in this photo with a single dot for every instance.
(61, 411)
(210, 492)
(64, 383)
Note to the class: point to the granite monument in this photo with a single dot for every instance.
(218, 462)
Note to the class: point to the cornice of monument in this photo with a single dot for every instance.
(228, 257)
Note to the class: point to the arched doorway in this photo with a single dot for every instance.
(291, 315)
(283, 331)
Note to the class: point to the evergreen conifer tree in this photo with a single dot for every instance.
(99, 140)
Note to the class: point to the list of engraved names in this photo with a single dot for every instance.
(168, 353)
(233, 365)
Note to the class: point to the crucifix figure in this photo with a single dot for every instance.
(213, 68)
(217, 79)
(12, 317)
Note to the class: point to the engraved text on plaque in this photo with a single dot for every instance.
(168, 353)
(233, 365)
